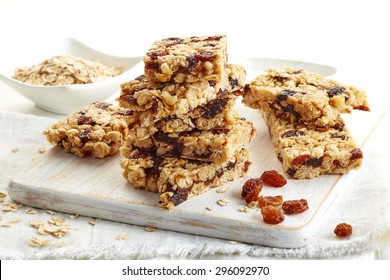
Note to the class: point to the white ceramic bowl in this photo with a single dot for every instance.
(66, 99)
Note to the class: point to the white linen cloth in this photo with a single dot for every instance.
(365, 206)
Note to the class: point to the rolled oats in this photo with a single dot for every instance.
(3, 195)
(11, 207)
(37, 242)
(31, 211)
(150, 229)
(123, 236)
(66, 70)
(223, 202)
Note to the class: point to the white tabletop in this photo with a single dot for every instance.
(349, 35)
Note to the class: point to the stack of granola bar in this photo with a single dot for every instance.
(184, 134)
(302, 110)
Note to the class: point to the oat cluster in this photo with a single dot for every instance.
(66, 70)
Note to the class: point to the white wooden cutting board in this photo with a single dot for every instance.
(96, 188)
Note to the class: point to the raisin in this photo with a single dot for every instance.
(247, 88)
(85, 135)
(205, 56)
(356, 153)
(233, 82)
(314, 162)
(192, 62)
(336, 90)
(157, 53)
(299, 160)
(254, 194)
(362, 108)
(231, 165)
(292, 132)
(155, 169)
(85, 120)
(249, 186)
(163, 137)
(322, 128)
(212, 83)
(343, 230)
(247, 164)
(180, 195)
(291, 172)
(275, 201)
(213, 108)
(272, 215)
(339, 126)
(102, 105)
(336, 135)
(273, 179)
(172, 41)
(295, 206)
(290, 109)
(284, 94)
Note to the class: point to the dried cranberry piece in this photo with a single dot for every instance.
(273, 179)
(356, 153)
(299, 160)
(336, 90)
(284, 94)
(249, 185)
(343, 230)
(205, 56)
(295, 206)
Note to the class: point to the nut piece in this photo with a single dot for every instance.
(343, 230)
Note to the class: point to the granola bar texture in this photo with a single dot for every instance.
(303, 96)
(176, 179)
(308, 153)
(98, 130)
(188, 59)
(217, 145)
(165, 99)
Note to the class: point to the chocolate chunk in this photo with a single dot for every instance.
(85, 135)
(82, 120)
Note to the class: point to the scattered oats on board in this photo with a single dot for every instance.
(92, 222)
(42, 150)
(221, 190)
(11, 207)
(123, 236)
(232, 242)
(10, 222)
(252, 204)
(36, 224)
(15, 149)
(223, 202)
(50, 212)
(31, 211)
(37, 242)
(150, 229)
(3, 195)
(57, 231)
(58, 221)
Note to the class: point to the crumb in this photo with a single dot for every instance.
(252, 204)
(50, 212)
(123, 236)
(232, 242)
(92, 222)
(210, 208)
(10, 222)
(221, 190)
(244, 209)
(15, 149)
(31, 211)
(150, 229)
(73, 216)
(223, 202)
(42, 150)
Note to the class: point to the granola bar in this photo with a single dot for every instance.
(217, 145)
(97, 130)
(189, 59)
(308, 153)
(166, 99)
(306, 97)
(177, 180)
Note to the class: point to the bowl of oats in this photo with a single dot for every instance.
(69, 76)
